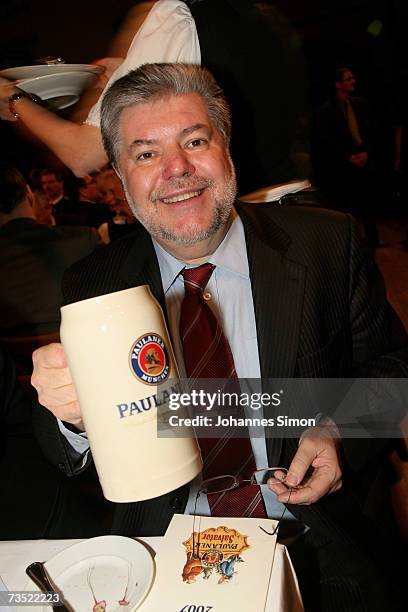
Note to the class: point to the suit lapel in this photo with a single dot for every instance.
(140, 267)
(278, 286)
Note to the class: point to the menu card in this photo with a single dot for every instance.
(229, 568)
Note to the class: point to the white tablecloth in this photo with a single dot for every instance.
(283, 595)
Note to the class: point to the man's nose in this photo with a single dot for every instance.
(177, 164)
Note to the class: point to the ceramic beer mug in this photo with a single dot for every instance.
(118, 351)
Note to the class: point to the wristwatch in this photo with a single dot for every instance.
(18, 96)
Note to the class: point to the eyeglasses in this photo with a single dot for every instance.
(227, 482)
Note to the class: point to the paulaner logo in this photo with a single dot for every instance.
(149, 359)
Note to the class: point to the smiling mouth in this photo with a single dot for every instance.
(182, 196)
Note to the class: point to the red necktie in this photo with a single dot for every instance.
(207, 354)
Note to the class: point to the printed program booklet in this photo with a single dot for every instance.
(229, 568)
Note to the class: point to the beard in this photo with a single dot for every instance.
(223, 198)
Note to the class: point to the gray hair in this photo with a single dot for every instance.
(152, 81)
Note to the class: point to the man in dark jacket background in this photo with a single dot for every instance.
(33, 258)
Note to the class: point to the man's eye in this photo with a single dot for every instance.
(197, 142)
(145, 155)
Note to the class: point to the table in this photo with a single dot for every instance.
(283, 594)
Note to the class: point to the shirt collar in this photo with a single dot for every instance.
(56, 200)
(230, 256)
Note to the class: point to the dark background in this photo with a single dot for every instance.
(369, 36)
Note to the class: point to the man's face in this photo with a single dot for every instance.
(111, 193)
(110, 188)
(90, 190)
(51, 186)
(176, 171)
(348, 82)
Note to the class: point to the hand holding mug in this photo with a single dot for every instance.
(53, 381)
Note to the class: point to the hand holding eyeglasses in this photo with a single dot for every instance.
(315, 470)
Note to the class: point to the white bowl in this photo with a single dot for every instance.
(61, 90)
(30, 72)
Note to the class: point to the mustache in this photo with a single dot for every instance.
(196, 183)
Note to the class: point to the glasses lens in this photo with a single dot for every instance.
(262, 476)
(218, 484)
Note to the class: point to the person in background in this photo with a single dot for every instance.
(68, 211)
(63, 210)
(52, 185)
(111, 193)
(33, 258)
(41, 207)
(88, 189)
(99, 211)
(344, 135)
(42, 210)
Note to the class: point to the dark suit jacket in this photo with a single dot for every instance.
(332, 124)
(320, 311)
(33, 258)
(333, 145)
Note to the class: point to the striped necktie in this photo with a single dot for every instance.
(207, 354)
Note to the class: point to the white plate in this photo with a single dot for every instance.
(30, 72)
(112, 563)
(61, 90)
